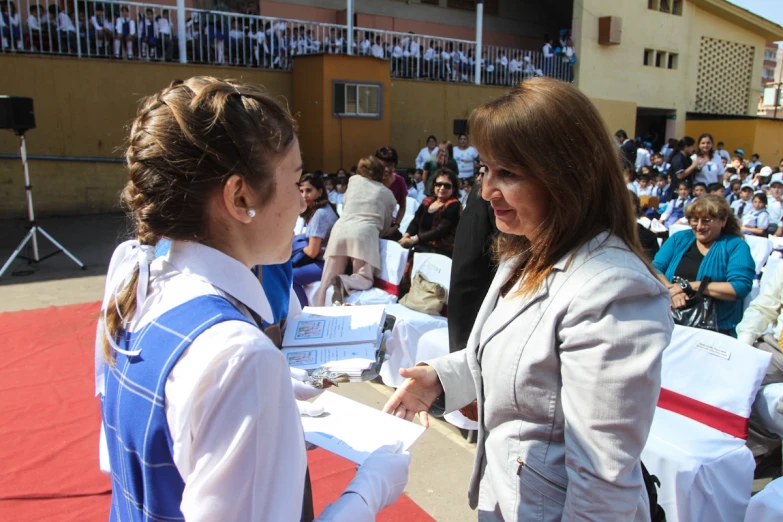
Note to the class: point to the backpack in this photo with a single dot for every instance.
(651, 484)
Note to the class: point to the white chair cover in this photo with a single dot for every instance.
(767, 505)
(709, 382)
(432, 344)
(387, 281)
(411, 206)
(760, 249)
(435, 267)
(678, 228)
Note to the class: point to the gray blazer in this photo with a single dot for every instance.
(567, 381)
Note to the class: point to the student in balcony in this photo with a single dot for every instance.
(377, 48)
(166, 34)
(100, 31)
(501, 63)
(430, 60)
(37, 28)
(149, 36)
(549, 56)
(66, 30)
(11, 26)
(125, 32)
(515, 68)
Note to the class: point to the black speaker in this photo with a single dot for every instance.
(460, 127)
(16, 113)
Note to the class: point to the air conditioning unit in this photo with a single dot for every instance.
(610, 30)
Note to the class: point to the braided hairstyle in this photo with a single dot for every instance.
(185, 143)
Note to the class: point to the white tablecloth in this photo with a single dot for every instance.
(403, 346)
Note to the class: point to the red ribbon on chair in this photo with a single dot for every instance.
(712, 416)
(386, 286)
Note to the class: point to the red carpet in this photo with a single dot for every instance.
(50, 421)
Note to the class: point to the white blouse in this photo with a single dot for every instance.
(237, 438)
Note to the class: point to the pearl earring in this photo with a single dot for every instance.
(251, 213)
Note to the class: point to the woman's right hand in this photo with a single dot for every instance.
(416, 395)
(679, 301)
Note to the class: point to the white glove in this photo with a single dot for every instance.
(382, 478)
(309, 409)
(303, 391)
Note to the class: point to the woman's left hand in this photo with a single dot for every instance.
(406, 242)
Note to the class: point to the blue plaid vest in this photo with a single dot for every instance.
(146, 485)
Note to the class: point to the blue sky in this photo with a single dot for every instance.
(769, 9)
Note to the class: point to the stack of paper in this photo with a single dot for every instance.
(342, 339)
(353, 431)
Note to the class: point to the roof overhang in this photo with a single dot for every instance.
(770, 31)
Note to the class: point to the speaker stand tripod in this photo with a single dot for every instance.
(34, 227)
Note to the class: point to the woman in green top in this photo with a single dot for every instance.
(443, 158)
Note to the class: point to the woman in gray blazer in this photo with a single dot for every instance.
(564, 358)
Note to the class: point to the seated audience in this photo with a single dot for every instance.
(714, 247)
(699, 189)
(647, 238)
(308, 249)
(396, 184)
(433, 227)
(743, 204)
(444, 157)
(367, 216)
(426, 153)
(643, 187)
(756, 223)
(675, 211)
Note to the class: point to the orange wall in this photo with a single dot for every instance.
(755, 136)
(328, 142)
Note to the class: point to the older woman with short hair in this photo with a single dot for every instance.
(714, 247)
(564, 358)
(367, 215)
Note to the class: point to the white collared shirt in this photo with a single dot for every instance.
(65, 23)
(164, 26)
(237, 438)
(33, 23)
(132, 26)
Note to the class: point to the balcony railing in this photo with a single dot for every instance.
(142, 31)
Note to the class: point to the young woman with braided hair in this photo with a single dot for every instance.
(199, 417)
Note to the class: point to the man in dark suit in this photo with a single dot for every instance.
(627, 147)
(472, 269)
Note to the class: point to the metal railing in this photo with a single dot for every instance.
(133, 30)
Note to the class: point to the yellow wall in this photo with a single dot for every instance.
(82, 109)
(617, 114)
(329, 142)
(754, 136)
(420, 109)
(617, 72)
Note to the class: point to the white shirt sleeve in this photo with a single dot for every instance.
(238, 440)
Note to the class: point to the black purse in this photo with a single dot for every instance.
(699, 311)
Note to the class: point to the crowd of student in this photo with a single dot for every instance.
(667, 181)
(241, 37)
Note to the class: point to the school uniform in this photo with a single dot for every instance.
(675, 211)
(756, 219)
(67, 32)
(712, 171)
(660, 193)
(642, 158)
(126, 28)
(165, 32)
(644, 191)
(377, 51)
(741, 207)
(149, 38)
(753, 164)
(214, 394)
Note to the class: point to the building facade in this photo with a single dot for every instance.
(674, 60)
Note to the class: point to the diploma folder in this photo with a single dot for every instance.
(343, 340)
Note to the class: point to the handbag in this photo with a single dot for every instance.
(699, 311)
(424, 296)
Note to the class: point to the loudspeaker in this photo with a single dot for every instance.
(460, 127)
(16, 113)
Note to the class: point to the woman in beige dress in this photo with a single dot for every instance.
(367, 214)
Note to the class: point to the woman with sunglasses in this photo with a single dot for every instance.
(433, 227)
(714, 247)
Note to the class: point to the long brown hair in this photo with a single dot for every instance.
(321, 201)
(716, 207)
(184, 144)
(549, 130)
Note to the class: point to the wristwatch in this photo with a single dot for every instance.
(685, 285)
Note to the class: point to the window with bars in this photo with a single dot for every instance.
(666, 6)
(358, 100)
